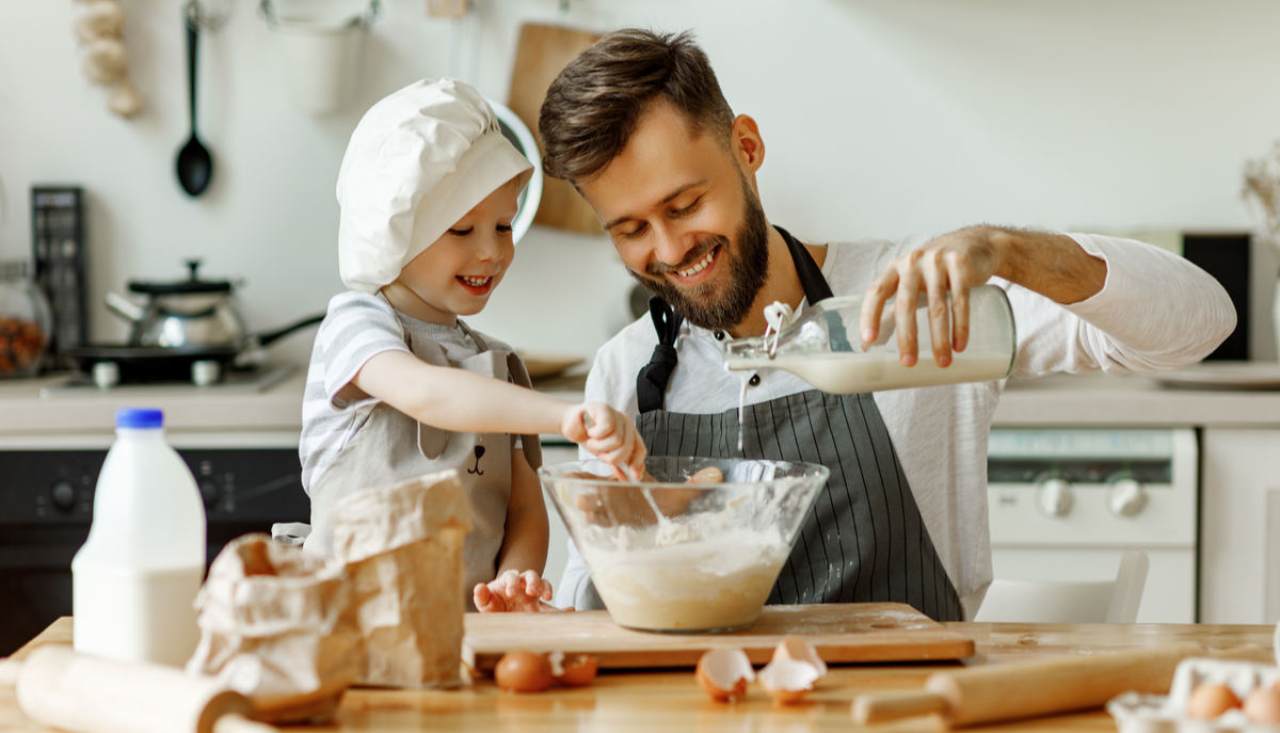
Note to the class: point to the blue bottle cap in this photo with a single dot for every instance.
(139, 418)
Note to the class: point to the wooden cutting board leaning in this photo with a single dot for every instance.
(541, 52)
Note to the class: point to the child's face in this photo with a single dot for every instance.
(458, 272)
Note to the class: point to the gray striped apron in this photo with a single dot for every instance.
(864, 538)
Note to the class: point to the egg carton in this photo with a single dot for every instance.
(1137, 713)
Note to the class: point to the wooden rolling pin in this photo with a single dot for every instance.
(1028, 689)
(84, 694)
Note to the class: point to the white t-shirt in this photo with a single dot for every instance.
(1156, 310)
(357, 327)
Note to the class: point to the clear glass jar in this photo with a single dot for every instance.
(823, 346)
(25, 321)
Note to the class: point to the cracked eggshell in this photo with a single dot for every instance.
(725, 674)
(800, 650)
(573, 670)
(788, 680)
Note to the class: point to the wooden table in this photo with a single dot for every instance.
(669, 702)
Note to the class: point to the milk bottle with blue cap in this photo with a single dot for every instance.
(135, 579)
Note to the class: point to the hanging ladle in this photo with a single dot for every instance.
(195, 165)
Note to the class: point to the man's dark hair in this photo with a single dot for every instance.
(592, 106)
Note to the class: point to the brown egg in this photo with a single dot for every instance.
(1262, 706)
(1210, 700)
(523, 672)
(577, 670)
(708, 475)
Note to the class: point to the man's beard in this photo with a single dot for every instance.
(748, 266)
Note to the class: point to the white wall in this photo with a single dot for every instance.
(882, 117)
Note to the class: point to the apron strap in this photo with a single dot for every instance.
(475, 337)
(651, 383)
(811, 278)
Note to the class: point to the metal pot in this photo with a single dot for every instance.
(192, 314)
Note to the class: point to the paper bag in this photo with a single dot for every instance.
(402, 548)
(277, 625)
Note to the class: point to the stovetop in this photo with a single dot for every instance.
(258, 379)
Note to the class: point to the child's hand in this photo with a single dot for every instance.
(512, 591)
(608, 435)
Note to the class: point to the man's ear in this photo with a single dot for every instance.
(746, 143)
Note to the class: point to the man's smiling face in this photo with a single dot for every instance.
(683, 217)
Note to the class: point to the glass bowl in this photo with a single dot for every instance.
(671, 554)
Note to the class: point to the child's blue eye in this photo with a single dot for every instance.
(461, 232)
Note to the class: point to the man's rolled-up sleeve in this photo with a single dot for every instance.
(1155, 311)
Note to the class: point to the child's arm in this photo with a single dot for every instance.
(519, 585)
(458, 400)
(524, 544)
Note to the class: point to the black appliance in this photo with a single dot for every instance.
(46, 503)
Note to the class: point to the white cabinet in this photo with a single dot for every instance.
(1240, 526)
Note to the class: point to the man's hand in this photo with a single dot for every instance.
(1050, 264)
(950, 264)
(512, 591)
(608, 435)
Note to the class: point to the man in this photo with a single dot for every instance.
(639, 125)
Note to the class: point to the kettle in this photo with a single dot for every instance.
(192, 314)
(183, 313)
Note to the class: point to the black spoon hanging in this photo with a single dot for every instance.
(195, 165)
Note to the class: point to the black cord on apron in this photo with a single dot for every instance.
(651, 383)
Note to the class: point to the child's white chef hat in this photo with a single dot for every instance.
(418, 161)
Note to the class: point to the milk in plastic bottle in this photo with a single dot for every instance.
(135, 579)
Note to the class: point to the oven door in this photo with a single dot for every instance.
(46, 502)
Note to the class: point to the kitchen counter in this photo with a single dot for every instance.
(1092, 400)
(40, 406)
(1108, 400)
(646, 701)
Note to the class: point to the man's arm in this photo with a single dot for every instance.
(1053, 265)
(1156, 310)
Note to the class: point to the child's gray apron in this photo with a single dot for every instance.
(863, 539)
(392, 446)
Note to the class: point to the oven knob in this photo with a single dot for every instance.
(1127, 497)
(1055, 497)
(208, 492)
(63, 495)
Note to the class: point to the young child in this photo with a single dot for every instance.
(398, 386)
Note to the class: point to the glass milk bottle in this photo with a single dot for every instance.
(135, 579)
(822, 345)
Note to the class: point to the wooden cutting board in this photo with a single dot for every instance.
(542, 50)
(842, 632)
